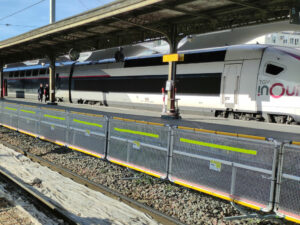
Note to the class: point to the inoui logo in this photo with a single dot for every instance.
(278, 90)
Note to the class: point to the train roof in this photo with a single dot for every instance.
(241, 48)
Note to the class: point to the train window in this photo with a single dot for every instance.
(16, 73)
(47, 71)
(11, 74)
(35, 72)
(42, 71)
(28, 73)
(273, 69)
(22, 73)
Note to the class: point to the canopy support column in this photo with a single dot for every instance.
(172, 107)
(1, 79)
(52, 79)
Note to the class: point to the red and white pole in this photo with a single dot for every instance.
(164, 100)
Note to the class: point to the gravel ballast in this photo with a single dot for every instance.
(190, 207)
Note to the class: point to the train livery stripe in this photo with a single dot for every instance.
(27, 111)
(54, 117)
(223, 147)
(8, 108)
(87, 123)
(136, 132)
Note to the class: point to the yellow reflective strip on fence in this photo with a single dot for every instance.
(136, 132)
(54, 117)
(295, 142)
(9, 127)
(27, 111)
(247, 205)
(292, 219)
(84, 151)
(202, 190)
(87, 123)
(8, 108)
(25, 132)
(135, 168)
(223, 147)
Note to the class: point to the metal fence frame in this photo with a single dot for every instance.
(14, 116)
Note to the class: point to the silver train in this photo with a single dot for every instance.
(252, 82)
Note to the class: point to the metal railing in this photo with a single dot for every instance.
(255, 172)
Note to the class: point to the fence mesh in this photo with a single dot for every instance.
(289, 198)
(206, 161)
(88, 132)
(140, 145)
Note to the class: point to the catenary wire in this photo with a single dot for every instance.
(21, 10)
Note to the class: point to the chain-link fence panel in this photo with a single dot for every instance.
(233, 168)
(29, 119)
(1, 109)
(87, 132)
(10, 115)
(53, 125)
(140, 146)
(288, 191)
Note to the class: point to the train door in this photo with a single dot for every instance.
(231, 79)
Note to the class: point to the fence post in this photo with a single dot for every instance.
(277, 147)
(68, 127)
(170, 151)
(106, 137)
(279, 175)
(233, 180)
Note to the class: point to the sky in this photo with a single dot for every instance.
(38, 15)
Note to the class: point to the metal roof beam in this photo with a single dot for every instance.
(249, 5)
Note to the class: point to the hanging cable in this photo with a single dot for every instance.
(14, 25)
(21, 10)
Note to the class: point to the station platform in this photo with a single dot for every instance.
(280, 132)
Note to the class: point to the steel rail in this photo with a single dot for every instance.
(56, 210)
(155, 214)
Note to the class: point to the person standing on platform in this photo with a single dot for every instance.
(46, 92)
(40, 93)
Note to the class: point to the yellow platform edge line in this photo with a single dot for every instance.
(155, 124)
(138, 121)
(226, 133)
(60, 110)
(185, 128)
(31, 106)
(205, 131)
(135, 168)
(217, 195)
(86, 114)
(251, 137)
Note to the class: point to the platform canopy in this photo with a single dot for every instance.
(126, 22)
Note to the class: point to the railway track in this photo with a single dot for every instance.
(188, 206)
(158, 216)
(9, 213)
